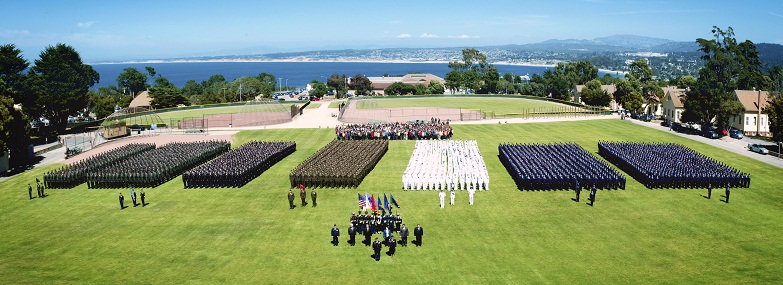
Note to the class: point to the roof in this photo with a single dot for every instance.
(675, 95)
(380, 83)
(750, 98)
(141, 100)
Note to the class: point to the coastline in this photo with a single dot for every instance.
(308, 59)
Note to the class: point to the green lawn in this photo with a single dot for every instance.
(498, 105)
(335, 104)
(249, 236)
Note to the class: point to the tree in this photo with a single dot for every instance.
(250, 88)
(454, 81)
(399, 88)
(361, 84)
(592, 94)
(151, 72)
(436, 87)
(581, 72)
(728, 66)
(133, 80)
(337, 83)
(12, 67)
(685, 82)
(61, 82)
(629, 95)
(653, 95)
(268, 83)
(640, 71)
(192, 88)
(775, 112)
(215, 85)
(319, 89)
(102, 104)
(165, 95)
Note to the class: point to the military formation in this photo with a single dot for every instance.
(417, 130)
(557, 166)
(671, 165)
(154, 167)
(72, 175)
(441, 165)
(339, 164)
(238, 166)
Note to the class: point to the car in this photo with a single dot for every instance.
(634, 116)
(304, 98)
(348, 95)
(315, 99)
(737, 134)
(710, 134)
(758, 148)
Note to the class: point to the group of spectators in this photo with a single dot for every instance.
(339, 164)
(70, 176)
(441, 165)
(238, 166)
(557, 166)
(417, 130)
(152, 168)
(671, 165)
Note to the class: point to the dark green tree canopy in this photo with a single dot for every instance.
(165, 95)
(61, 82)
(361, 84)
(593, 95)
(12, 67)
(132, 80)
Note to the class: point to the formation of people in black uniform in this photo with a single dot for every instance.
(367, 225)
(70, 176)
(154, 167)
(417, 130)
(557, 166)
(238, 166)
(339, 164)
(670, 165)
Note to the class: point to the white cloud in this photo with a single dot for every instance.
(404, 36)
(776, 14)
(428, 36)
(85, 24)
(463, 37)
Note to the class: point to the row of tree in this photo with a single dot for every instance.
(54, 87)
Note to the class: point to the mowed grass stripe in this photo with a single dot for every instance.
(248, 235)
(498, 105)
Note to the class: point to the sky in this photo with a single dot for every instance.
(140, 29)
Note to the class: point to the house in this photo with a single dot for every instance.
(672, 103)
(610, 89)
(380, 83)
(753, 121)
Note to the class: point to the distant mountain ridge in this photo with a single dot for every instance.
(627, 41)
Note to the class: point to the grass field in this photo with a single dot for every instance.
(249, 236)
(499, 105)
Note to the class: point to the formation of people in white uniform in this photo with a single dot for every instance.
(446, 165)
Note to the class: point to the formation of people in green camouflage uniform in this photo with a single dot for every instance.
(341, 163)
(72, 175)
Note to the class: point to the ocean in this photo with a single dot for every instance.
(293, 74)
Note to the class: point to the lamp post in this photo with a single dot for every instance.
(224, 94)
(286, 84)
(280, 84)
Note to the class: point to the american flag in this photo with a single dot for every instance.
(362, 201)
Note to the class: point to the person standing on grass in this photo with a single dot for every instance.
(578, 190)
(142, 195)
(352, 235)
(728, 192)
(291, 199)
(392, 246)
(303, 195)
(30, 190)
(709, 190)
(133, 196)
(418, 232)
(592, 196)
(404, 236)
(452, 196)
(376, 247)
(313, 196)
(122, 201)
(442, 196)
(471, 193)
(335, 235)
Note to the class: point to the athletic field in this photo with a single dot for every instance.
(249, 236)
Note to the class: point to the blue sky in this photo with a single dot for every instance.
(138, 29)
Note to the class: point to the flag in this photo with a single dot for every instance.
(362, 201)
(379, 201)
(386, 203)
(394, 201)
(374, 207)
(367, 203)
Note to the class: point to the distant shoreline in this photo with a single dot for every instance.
(306, 60)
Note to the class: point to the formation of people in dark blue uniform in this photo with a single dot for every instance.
(557, 166)
(671, 165)
(387, 225)
(339, 164)
(417, 130)
(154, 167)
(238, 166)
(70, 176)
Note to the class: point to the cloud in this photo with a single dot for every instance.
(647, 12)
(85, 24)
(463, 37)
(428, 36)
(776, 14)
(404, 36)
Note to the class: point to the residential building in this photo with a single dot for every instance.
(753, 121)
(672, 103)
